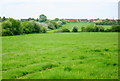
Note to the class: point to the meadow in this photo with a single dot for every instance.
(79, 25)
(83, 55)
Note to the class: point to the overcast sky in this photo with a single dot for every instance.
(59, 8)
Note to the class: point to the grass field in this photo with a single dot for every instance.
(60, 56)
(79, 25)
(72, 24)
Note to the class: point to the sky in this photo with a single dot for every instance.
(63, 9)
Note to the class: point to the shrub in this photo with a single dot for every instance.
(56, 25)
(65, 30)
(115, 28)
(51, 26)
(31, 27)
(83, 29)
(75, 29)
(37, 27)
(93, 29)
(44, 30)
(98, 29)
(11, 27)
(60, 23)
(27, 27)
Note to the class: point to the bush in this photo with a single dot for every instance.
(11, 27)
(93, 29)
(65, 30)
(107, 22)
(37, 27)
(51, 26)
(56, 25)
(115, 28)
(44, 30)
(83, 29)
(59, 23)
(31, 27)
(98, 29)
(27, 27)
(75, 29)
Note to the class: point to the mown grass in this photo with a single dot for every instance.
(85, 55)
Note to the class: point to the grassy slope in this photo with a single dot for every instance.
(79, 25)
(61, 55)
(72, 24)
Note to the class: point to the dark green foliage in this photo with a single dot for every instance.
(67, 69)
(83, 29)
(97, 50)
(27, 27)
(81, 62)
(75, 29)
(98, 29)
(82, 57)
(11, 27)
(107, 22)
(56, 19)
(63, 22)
(37, 28)
(115, 28)
(115, 64)
(106, 49)
(93, 29)
(31, 27)
(42, 18)
(65, 30)
(56, 25)
(51, 26)
(3, 19)
(49, 66)
(44, 30)
(15, 27)
(60, 23)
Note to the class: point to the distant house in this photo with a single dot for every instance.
(95, 20)
(71, 20)
(83, 20)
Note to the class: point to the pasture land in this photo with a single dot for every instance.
(79, 25)
(85, 55)
(72, 24)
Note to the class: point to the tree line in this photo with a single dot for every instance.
(12, 26)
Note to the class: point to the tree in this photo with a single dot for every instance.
(42, 18)
(56, 19)
(27, 27)
(3, 19)
(16, 26)
(75, 29)
(11, 27)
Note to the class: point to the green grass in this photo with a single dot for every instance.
(85, 55)
(72, 24)
(79, 25)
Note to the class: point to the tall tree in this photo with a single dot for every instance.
(42, 18)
